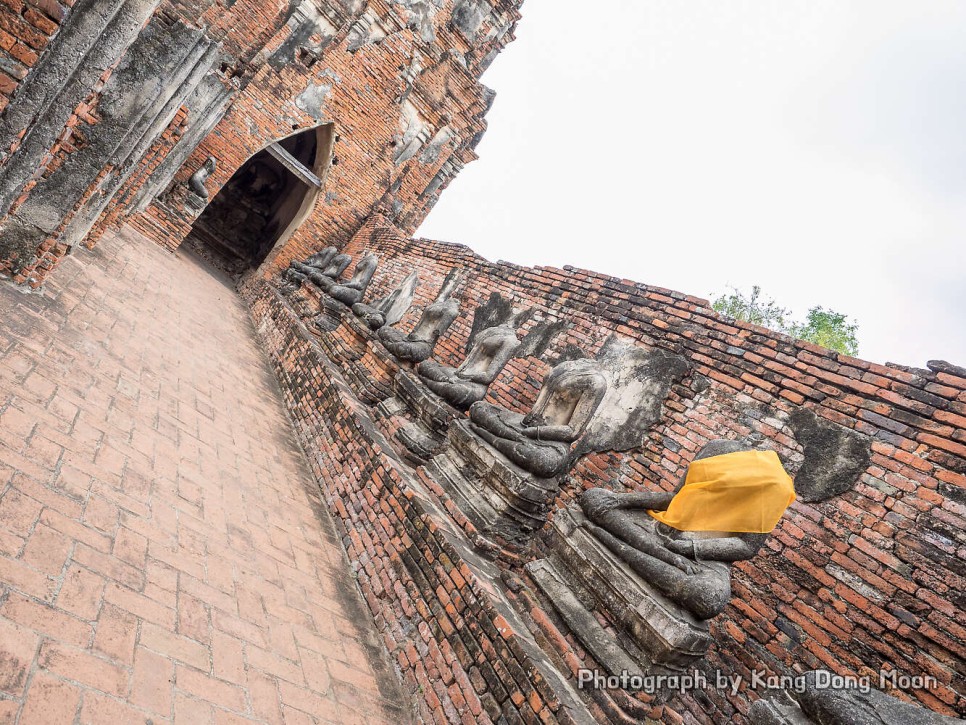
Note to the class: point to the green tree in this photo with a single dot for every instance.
(829, 329)
(753, 308)
(821, 326)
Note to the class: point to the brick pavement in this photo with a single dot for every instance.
(164, 555)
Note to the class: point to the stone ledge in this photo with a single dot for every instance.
(659, 632)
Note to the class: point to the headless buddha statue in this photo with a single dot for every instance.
(326, 277)
(321, 259)
(374, 315)
(391, 308)
(327, 262)
(466, 384)
(353, 290)
(418, 345)
(540, 442)
(684, 542)
(197, 181)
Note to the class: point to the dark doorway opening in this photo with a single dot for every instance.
(264, 202)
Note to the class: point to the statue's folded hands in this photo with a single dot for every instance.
(540, 442)
(562, 433)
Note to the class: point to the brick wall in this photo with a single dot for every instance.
(868, 580)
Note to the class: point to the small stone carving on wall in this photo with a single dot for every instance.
(350, 292)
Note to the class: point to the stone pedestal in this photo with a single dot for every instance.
(331, 313)
(431, 416)
(583, 576)
(194, 204)
(350, 341)
(500, 498)
(371, 376)
(355, 337)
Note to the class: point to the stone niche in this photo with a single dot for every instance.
(507, 494)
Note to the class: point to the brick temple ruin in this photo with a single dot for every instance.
(298, 146)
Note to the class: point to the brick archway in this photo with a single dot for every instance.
(264, 202)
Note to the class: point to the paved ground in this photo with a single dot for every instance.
(162, 552)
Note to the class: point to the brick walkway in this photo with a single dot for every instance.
(163, 555)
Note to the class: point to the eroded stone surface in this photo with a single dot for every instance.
(639, 380)
(835, 457)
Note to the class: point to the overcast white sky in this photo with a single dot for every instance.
(814, 147)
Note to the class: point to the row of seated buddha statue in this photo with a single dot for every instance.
(514, 460)
(315, 292)
(656, 565)
(323, 270)
(532, 450)
(636, 576)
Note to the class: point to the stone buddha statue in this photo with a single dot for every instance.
(197, 181)
(418, 345)
(391, 308)
(327, 262)
(540, 442)
(684, 542)
(352, 291)
(325, 277)
(464, 385)
(321, 259)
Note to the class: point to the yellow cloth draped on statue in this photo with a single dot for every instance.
(743, 492)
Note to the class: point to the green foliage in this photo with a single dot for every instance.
(823, 327)
(829, 329)
(752, 309)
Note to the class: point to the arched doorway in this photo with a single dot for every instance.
(264, 202)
